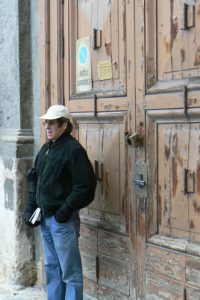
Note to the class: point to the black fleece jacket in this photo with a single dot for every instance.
(65, 178)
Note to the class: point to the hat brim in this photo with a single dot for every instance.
(49, 117)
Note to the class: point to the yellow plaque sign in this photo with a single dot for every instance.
(105, 70)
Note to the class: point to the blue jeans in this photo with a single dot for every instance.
(63, 265)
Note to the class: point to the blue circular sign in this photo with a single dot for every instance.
(83, 55)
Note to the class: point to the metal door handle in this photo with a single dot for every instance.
(139, 182)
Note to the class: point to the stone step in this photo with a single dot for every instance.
(25, 294)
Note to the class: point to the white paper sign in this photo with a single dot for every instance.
(83, 65)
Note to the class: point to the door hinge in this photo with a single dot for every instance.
(140, 179)
(98, 169)
(185, 96)
(97, 38)
(188, 181)
(188, 16)
(63, 46)
(95, 105)
(47, 89)
(185, 294)
(97, 268)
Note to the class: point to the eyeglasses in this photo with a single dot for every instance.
(49, 122)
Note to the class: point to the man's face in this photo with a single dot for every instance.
(53, 129)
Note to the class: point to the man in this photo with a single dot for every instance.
(61, 183)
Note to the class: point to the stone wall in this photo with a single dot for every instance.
(20, 250)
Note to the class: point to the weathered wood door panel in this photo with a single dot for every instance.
(106, 263)
(178, 151)
(105, 143)
(103, 118)
(172, 31)
(159, 287)
(104, 114)
(103, 21)
(172, 117)
(137, 242)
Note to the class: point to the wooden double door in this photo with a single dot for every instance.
(129, 72)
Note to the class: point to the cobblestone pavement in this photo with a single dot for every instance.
(25, 294)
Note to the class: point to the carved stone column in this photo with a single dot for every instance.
(16, 142)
